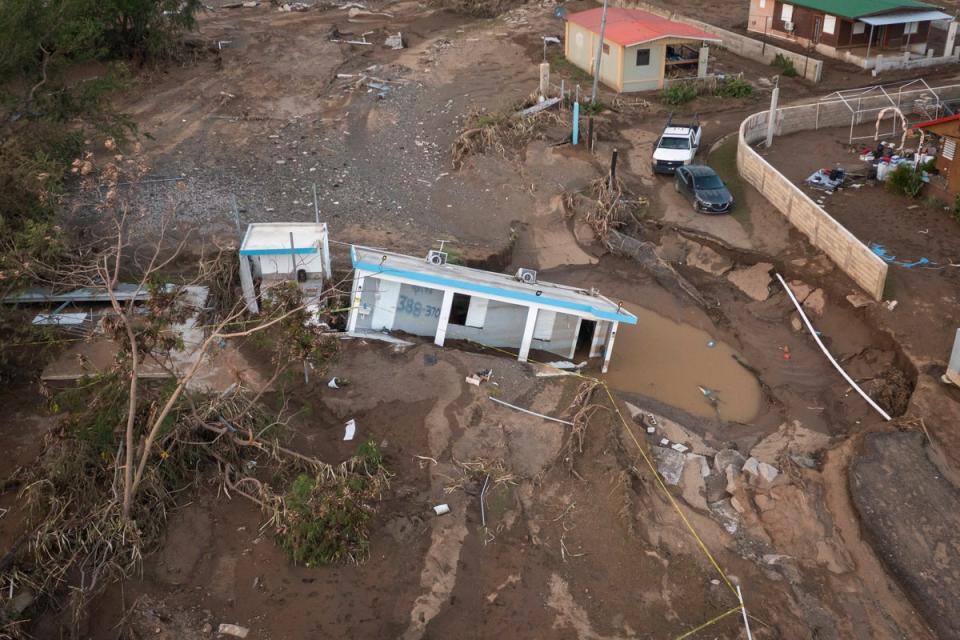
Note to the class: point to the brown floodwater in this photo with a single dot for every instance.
(672, 362)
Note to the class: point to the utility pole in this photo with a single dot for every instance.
(596, 65)
(772, 117)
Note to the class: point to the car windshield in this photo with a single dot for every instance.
(708, 182)
(674, 143)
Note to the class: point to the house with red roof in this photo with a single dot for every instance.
(640, 49)
(945, 133)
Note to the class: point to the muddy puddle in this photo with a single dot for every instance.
(674, 363)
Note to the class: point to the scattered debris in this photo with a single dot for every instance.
(350, 430)
(441, 509)
(333, 383)
(395, 42)
(234, 630)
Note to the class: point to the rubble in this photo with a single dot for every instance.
(395, 42)
(726, 514)
(815, 302)
(728, 458)
(670, 464)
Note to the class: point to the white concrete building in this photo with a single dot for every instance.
(427, 297)
(274, 252)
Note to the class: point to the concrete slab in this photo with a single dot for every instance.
(670, 464)
(706, 259)
(753, 281)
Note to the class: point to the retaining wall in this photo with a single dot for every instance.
(856, 259)
(852, 256)
(743, 46)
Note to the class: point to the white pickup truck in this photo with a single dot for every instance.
(677, 146)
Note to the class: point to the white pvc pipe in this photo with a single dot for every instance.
(532, 413)
(836, 366)
(743, 610)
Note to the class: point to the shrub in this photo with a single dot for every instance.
(679, 93)
(327, 515)
(785, 65)
(905, 181)
(592, 108)
(735, 88)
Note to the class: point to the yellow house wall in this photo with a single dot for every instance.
(580, 47)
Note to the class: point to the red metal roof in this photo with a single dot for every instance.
(628, 27)
(924, 125)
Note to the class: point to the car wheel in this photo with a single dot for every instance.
(696, 206)
(676, 186)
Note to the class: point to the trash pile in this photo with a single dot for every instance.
(883, 160)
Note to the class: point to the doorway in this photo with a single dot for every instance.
(584, 339)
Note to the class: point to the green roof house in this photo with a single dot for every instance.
(873, 34)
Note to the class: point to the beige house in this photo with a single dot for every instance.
(640, 50)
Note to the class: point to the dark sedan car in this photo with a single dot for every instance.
(704, 188)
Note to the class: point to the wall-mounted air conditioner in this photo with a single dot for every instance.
(437, 257)
(527, 276)
(788, 26)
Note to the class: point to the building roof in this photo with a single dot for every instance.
(570, 300)
(905, 17)
(861, 8)
(273, 238)
(628, 27)
(933, 123)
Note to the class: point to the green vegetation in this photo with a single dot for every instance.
(592, 108)
(785, 65)
(327, 515)
(905, 181)
(679, 94)
(955, 212)
(46, 114)
(735, 88)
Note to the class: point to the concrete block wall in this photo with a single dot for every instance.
(843, 248)
(741, 45)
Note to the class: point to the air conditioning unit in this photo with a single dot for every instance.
(788, 26)
(527, 276)
(437, 257)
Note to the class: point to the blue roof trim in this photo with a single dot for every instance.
(278, 252)
(505, 293)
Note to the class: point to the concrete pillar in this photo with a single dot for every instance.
(527, 339)
(544, 78)
(327, 270)
(951, 39)
(246, 282)
(772, 118)
(953, 368)
(356, 293)
(609, 351)
(576, 337)
(702, 62)
(444, 317)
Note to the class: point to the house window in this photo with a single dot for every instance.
(763, 4)
(911, 28)
(830, 24)
(859, 28)
(949, 149)
(459, 309)
(606, 49)
(643, 57)
(786, 13)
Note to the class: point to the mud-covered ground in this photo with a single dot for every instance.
(585, 545)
